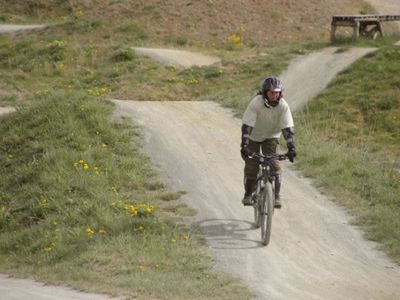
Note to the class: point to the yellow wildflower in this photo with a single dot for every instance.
(43, 202)
(131, 209)
(42, 92)
(149, 209)
(48, 249)
(77, 11)
(60, 66)
(89, 231)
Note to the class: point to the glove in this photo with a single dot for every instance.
(245, 152)
(291, 154)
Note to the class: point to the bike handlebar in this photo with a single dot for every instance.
(266, 158)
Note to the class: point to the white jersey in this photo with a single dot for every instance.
(267, 122)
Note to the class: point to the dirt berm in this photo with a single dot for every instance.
(314, 253)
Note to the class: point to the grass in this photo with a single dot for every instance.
(349, 140)
(78, 195)
(79, 204)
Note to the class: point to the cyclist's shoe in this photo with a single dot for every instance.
(247, 200)
(248, 189)
(278, 202)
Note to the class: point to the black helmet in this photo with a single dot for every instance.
(271, 84)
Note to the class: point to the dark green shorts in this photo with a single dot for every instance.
(267, 147)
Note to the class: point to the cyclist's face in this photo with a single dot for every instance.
(273, 96)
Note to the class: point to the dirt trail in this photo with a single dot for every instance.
(6, 110)
(314, 252)
(308, 75)
(9, 28)
(23, 289)
(178, 58)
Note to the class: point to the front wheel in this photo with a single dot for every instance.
(256, 205)
(267, 211)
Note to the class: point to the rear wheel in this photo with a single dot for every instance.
(267, 211)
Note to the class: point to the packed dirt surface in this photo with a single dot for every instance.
(8, 28)
(22, 289)
(308, 75)
(6, 110)
(314, 252)
(178, 58)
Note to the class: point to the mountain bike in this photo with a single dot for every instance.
(263, 195)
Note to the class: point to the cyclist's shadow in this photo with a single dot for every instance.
(228, 233)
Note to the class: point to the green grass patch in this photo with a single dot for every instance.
(79, 204)
(349, 140)
(362, 105)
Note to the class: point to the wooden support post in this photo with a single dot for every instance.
(356, 30)
(333, 32)
(365, 25)
(380, 28)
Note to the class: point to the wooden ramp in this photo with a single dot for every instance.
(365, 25)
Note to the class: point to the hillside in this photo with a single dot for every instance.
(95, 36)
(197, 22)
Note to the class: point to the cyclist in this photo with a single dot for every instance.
(265, 118)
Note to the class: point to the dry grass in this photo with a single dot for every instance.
(201, 22)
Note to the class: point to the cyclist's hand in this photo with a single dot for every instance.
(291, 154)
(245, 152)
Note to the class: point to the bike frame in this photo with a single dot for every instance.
(264, 195)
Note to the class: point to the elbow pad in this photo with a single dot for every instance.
(288, 134)
(246, 131)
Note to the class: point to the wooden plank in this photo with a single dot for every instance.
(389, 18)
(360, 23)
(366, 18)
